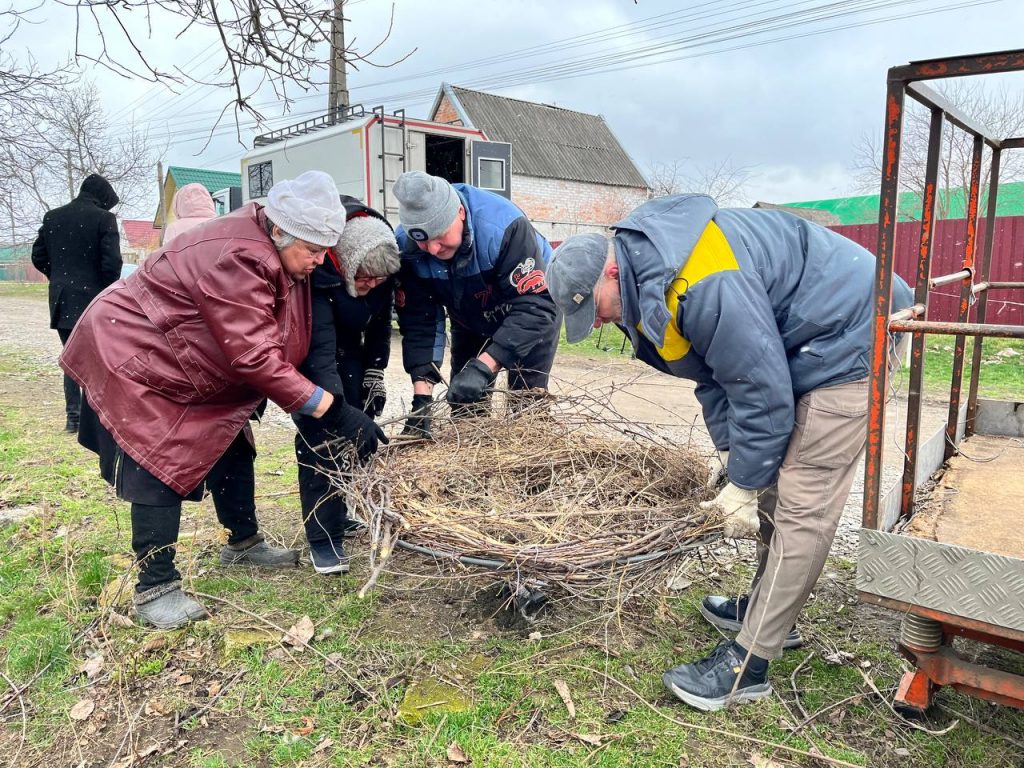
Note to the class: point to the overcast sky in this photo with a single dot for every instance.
(721, 87)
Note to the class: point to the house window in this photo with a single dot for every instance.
(221, 200)
(261, 179)
(492, 173)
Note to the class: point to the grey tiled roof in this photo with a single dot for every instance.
(551, 142)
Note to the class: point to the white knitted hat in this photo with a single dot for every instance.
(307, 207)
(367, 243)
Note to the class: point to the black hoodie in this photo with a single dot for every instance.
(79, 250)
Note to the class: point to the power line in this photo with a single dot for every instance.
(622, 61)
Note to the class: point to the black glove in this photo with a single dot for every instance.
(471, 383)
(418, 424)
(375, 394)
(351, 424)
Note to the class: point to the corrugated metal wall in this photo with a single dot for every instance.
(1004, 307)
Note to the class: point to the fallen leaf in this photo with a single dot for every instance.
(213, 688)
(589, 738)
(306, 728)
(183, 680)
(563, 693)
(151, 749)
(155, 707)
(301, 633)
(534, 636)
(324, 744)
(116, 619)
(760, 761)
(82, 709)
(677, 582)
(93, 666)
(457, 755)
(153, 644)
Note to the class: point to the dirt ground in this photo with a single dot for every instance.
(638, 393)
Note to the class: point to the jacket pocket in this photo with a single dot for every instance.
(157, 376)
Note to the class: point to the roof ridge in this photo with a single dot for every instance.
(526, 101)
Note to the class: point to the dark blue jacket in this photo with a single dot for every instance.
(494, 286)
(777, 306)
(347, 327)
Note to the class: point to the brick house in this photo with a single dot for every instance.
(569, 172)
(139, 238)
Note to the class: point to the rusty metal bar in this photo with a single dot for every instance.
(940, 328)
(878, 384)
(1016, 143)
(970, 246)
(959, 118)
(917, 345)
(959, 66)
(986, 265)
(952, 277)
(908, 314)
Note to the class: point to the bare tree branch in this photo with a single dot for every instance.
(722, 180)
(999, 110)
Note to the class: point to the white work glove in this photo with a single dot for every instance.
(718, 474)
(740, 509)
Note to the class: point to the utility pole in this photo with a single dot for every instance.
(337, 96)
(71, 181)
(160, 189)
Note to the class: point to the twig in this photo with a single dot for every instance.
(18, 691)
(717, 731)
(24, 717)
(796, 693)
(127, 736)
(911, 723)
(213, 700)
(982, 726)
(316, 651)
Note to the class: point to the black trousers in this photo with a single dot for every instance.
(156, 508)
(323, 508)
(72, 392)
(532, 371)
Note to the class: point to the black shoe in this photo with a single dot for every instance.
(708, 684)
(71, 425)
(727, 613)
(351, 529)
(328, 557)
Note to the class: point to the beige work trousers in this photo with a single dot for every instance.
(800, 514)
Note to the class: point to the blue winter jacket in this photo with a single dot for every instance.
(494, 286)
(781, 307)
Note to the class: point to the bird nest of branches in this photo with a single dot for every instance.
(542, 493)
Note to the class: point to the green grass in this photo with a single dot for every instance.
(1001, 374)
(54, 565)
(23, 290)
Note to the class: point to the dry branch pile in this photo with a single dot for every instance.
(564, 494)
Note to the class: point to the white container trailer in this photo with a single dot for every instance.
(364, 152)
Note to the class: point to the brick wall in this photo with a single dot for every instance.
(446, 113)
(560, 208)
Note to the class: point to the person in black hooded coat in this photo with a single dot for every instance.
(351, 344)
(79, 251)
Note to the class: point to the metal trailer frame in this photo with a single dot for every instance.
(927, 632)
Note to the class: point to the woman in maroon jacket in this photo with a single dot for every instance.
(175, 359)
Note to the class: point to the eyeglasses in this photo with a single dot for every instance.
(314, 250)
(369, 279)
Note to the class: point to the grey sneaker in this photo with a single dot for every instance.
(165, 606)
(727, 613)
(256, 551)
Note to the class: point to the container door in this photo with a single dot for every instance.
(491, 166)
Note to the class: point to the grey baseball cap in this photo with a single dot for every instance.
(572, 275)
